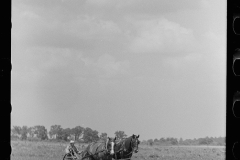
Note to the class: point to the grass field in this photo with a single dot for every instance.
(27, 150)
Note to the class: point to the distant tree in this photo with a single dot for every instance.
(187, 142)
(209, 141)
(90, 135)
(162, 140)
(77, 132)
(41, 132)
(170, 139)
(64, 134)
(95, 136)
(24, 131)
(155, 140)
(55, 130)
(202, 141)
(144, 142)
(174, 141)
(120, 134)
(180, 141)
(16, 131)
(31, 131)
(150, 142)
(195, 141)
(103, 136)
(220, 141)
(205, 141)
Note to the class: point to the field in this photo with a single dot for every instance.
(27, 150)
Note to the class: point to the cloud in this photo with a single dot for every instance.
(112, 67)
(106, 66)
(47, 58)
(140, 7)
(49, 29)
(107, 7)
(90, 26)
(207, 62)
(162, 36)
(182, 63)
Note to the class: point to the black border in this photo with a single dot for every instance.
(5, 78)
(232, 83)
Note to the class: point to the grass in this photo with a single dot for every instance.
(27, 150)
(180, 153)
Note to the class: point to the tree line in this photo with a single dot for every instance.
(56, 132)
(174, 141)
(88, 135)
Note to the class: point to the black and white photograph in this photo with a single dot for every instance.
(118, 79)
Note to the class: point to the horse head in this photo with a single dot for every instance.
(110, 145)
(134, 143)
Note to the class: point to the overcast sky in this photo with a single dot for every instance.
(155, 68)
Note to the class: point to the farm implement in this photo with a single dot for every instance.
(69, 156)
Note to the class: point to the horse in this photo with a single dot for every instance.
(125, 148)
(100, 150)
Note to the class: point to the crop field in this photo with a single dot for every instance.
(27, 150)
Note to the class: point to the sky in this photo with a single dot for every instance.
(154, 68)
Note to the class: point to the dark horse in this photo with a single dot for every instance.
(100, 150)
(125, 148)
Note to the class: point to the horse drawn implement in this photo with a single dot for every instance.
(122, 150)
(69, 156)
(95, 150)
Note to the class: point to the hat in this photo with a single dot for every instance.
(71, 141)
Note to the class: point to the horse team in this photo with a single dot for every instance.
(123, 149)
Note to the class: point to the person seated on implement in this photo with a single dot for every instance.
(71, 149)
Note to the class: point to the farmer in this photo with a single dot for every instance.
(72, 149)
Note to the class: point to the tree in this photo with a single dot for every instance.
(77, 132)
(120, 134)
(205, 141)
(180, 141)
(24, 131)
(209, 140)
(90, 135)
(174, 141)
(64, 134)
(150, 142)
(162, 140)
(156, 140)
(187, 142)
(144, 142)
(220, 140)
(55, 130)
(31, 131)
(103, 136)
(16, 131)
(41, 132)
